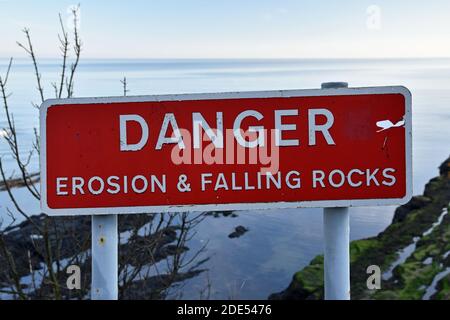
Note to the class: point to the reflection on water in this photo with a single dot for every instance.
(278, 243)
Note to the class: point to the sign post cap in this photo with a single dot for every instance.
(334, 85)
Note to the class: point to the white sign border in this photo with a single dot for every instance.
(231, 206)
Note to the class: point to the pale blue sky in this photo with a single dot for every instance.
(235, 28)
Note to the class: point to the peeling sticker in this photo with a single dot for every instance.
(387, 124)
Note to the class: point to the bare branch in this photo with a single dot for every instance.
(64, 40)
(29, 49)
(13, 199)
(5, 80)
(124, 85)
(11, 267)
(55, 88)
(36, 142)
(77, 50)
(11, 138)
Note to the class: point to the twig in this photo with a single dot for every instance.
(32, 55)
(5, 80)
(14, 201)
(124, 85)
(77, 50)
(12, 267)
(64, 41)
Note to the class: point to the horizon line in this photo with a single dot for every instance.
(234, 58)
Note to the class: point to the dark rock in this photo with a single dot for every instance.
(444, 168)
(416, 202)
(238, 231)
(218, 214)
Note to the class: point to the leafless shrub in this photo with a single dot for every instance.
(41, 248)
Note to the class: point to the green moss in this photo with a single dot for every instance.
(423, 252)
(414, 276)
(359, 247)
(311, 277)
(444, 289)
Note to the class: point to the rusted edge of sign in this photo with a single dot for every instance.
(229, 95)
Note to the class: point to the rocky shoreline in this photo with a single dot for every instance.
(413, 253)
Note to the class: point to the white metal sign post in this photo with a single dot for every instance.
(336, 229)
(104, 242)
